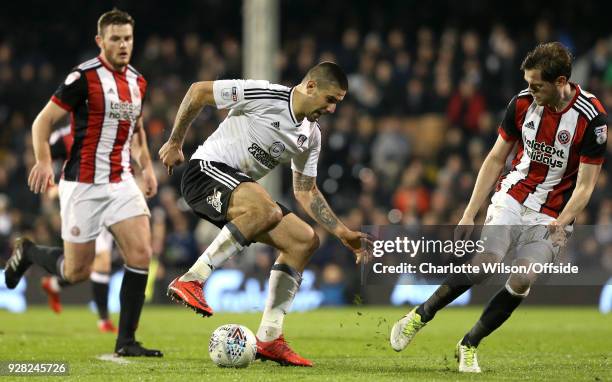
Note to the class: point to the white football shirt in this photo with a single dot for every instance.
(260, 130)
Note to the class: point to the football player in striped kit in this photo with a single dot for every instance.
(560, 132)
(104, 98)
(61, 141)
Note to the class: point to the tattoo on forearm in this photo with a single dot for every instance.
(322, 213)
(187, 112)
(302, 182)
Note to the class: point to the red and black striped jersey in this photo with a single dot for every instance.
(104, 107)
(551, 146)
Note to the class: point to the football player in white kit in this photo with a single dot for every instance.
(560, 131)
(267, 124)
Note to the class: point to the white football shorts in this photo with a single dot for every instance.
(510, 225)
(87, 208)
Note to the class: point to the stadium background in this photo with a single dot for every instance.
(428, 85)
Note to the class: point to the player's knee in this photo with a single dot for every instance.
(270, 215)
(307, 244)
(276, 215)
(521, 281)
(518, 285)
(140, 256)
(77, 273)
(312, 241)
(102, 267)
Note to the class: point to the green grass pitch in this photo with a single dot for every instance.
(556, 344)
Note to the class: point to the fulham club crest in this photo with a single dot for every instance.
(276, 150)
(301, 139)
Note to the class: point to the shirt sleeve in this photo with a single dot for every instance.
(594, 142)
(306, 162)
(245, 95)
(507, 128)
(72, 91)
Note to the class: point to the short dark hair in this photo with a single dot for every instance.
(553, 59)
(114, 17)
(330, 73)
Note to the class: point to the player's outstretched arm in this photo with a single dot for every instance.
(487, 177)
(41, 175)
(199, 95)
(311, 199)
(140, 152)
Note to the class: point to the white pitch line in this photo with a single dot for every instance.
(113, 358)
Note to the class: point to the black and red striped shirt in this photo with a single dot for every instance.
(104, 107)
(551, 146)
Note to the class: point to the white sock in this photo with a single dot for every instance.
(54, 284)
(284, 284)
(222, 248)
(100, 278)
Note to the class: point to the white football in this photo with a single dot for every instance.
(232, 345)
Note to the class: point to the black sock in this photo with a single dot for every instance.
(99, 287)
(50, 259)
(454, 286)
(132, 297)
(498, 310)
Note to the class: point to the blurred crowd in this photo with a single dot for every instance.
(404, 147)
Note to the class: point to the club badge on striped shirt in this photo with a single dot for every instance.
(563, 137)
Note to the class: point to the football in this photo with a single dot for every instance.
(232, 345)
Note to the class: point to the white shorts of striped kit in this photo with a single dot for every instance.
(86, 209)
(510, 226)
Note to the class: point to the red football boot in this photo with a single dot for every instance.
(191, 294)
(278, 350)
(106, 326)
(53, 293)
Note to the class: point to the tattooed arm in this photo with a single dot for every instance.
(199, 95)
(309, 196)
(311, 199)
